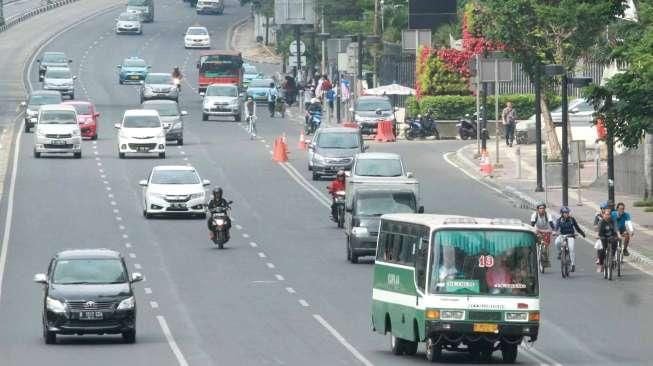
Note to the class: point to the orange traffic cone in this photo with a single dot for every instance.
(302, 141)
(486, 166)
(280, 151)
(384, 132)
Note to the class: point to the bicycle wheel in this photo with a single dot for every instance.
(541, 258)
(564, 263)
(606, 260)
(610, 264)
(619, 255)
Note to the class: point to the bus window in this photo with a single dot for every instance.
(407, 255)
(421, 256)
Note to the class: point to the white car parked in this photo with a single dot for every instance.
(141, 131)
(174, 189)
(197, 37)
(57, 131)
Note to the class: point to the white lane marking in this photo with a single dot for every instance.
(252, 244)
(290, 290)
(125, 236)
(121, 227)
(132, 255)
(268, 146)
(303, 303)
(270, 265)
(128, 245)
(115, 210)
(245, 235)
(307, 186)
(99, 164)
(279, 277)
(148, 290)
(262, 255)
(154, 304)
(539, 356)
(342, 340)
(171, 341)
(118, 218)
(448, 160)
(101, 170)
(137, 266)
(10, 205)
(110, 195)
(113, 203)
(239, 227)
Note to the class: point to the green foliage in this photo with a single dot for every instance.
(440, 37)
(450, 107)
(436, 78)
(644, 203)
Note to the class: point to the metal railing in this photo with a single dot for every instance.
(19, 18)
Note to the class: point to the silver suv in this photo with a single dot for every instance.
(159, 86)
(60, 79)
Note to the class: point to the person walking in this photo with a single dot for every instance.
(508, 116)
(271, 94)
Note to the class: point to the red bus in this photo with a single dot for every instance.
(220, 67)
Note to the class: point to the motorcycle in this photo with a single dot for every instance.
(422, 127)
(313, 121)
(177, 82)
(220, 220)
(339, 199)
(467, 128)
(280, 106)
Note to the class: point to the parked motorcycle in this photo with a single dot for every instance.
(467, 128)
(313, 122)
(422, 127)
(221, 221)
(339, 199)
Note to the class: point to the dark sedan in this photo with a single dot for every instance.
(88, 291)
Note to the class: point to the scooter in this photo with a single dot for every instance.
(467, 128)
(220, 219)
(422, 127)
(280, 106)
(313, 122)
(339, 199)
(177, 82)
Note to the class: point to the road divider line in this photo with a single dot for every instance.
(342, 340)
(171, 341)
(303, 303)
(148, 290)
(290, 290)
(154, 304)
(279, 277)
(304, 184)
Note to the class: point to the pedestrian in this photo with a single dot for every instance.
(330, 98)
(307, 96)
(508, 117)
(319, 90)
(272, 97)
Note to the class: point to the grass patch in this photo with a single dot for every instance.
(649, 209)
(643, 203)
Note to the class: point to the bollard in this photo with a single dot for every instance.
(597, 160)
(518, 153)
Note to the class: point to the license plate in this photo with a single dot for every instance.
(134, 77)
(486, 328)
(58, 142)
(142, 149)
(178, 205)
(90, 315)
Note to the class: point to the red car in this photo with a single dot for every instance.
(87, 117)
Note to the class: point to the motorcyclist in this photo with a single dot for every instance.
(543, 223)
(336, 185)
(567, 225)
(177, 76)
(314, 107)
(215, 202)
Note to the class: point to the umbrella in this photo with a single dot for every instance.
(392, 89)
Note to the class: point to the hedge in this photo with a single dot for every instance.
(451, 107)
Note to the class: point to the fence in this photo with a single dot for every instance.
(260, 29)
(19, 18)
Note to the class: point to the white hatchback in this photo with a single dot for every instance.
(141, 131)
(172, 189)
(197, 37)
(57, 131)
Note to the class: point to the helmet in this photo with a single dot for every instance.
(217, 191)
(250, 98)
(341, 173)
(604, 206)
(564, 209)
(541, 204)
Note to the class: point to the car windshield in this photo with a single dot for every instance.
(174, 177)
(89, 271)
(158, 79)
(57, 118)
(134, 63)
(261, 83)
(378, 168)
(380, 203)
(58, 74)
(83, 109)
(128, 17)
(137, 2)
(42, 99)
(338, 140)
(249, 69)
(58, 58)
(141, 122)
(222, 91)
(164, 109)
(196, 32)
(578, 104)
(495, 262)
(373, 104)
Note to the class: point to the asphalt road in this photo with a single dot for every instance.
(282, 293)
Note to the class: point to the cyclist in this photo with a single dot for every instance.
(567, 225)
(543, 224)
(607, 233)
(624, 225)
(250, 112)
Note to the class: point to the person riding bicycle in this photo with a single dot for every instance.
(250, 112)
(543, 224)
(336, 185)
(624, 225)
(608, 233)
(567, 225)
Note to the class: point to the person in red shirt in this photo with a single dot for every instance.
(336, 185)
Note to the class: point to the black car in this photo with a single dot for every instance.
(88, 291)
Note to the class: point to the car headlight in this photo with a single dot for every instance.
(176, 126)
(452, 314)
(127, 304)
(197, 195)
(55, 305)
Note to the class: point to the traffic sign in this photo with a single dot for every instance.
(292, 61)
(293, 47)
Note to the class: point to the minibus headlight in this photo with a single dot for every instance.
(452, 315)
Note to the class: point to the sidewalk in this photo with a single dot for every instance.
(243, 40)
(522, 191)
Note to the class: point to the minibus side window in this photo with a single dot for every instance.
(421, 256)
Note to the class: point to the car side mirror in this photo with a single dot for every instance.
(184, 113)
(23, 104)
(136, 277)
(202, 94)
(410, 174)
(117, 126)
(311, 146)
(70, 61)
(118, 66)
(41, 278)
(143, 183)
(420, 209)
(206, 182)
(74, 77)
(347, 173)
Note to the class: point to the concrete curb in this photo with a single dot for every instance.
(13, 20)
(523, 200)
(231, 36)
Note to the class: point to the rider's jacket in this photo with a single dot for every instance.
(335, 186)
(567, 226)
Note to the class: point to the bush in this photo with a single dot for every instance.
(451, 107)
(643, 203)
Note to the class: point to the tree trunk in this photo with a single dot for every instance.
(554, 151)
(648, 165)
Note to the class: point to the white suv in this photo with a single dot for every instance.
(141, 132)
(57, 131)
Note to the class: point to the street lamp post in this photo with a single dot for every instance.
(538, 127)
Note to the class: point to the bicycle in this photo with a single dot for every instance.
(543, 242)
(251, 126)
(619, 256)
(609, 261)
(565, 256)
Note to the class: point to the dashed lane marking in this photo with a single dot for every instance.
(290, 290)
(303, 303)
(279, 277)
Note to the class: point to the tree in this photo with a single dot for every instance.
(547, 32)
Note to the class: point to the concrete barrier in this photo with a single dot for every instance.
(13, 20)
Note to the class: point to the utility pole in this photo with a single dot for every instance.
(323, 64)
(610, 145)
(538, 128)
(565, 142)
(298, 36)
